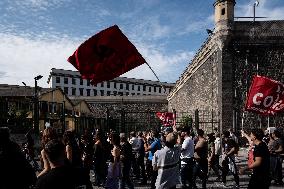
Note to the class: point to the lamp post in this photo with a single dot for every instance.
(107, 118)
(63, 117)
(254, 5)
(122, 126)
(36, 113)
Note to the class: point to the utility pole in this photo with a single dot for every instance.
(36, 110)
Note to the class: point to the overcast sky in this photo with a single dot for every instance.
(37, 35)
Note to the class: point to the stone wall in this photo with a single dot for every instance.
(220, 75)
(199, 92)
(249, 60)
(225, 97)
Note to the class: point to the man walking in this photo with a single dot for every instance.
(166, 163)
(155, 145)
(260, 177)
(187, 163)
(228, 159)
(126, 157)
(134, 143)
(140, 155)
(200, 155)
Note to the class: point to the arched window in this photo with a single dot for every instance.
(223, 11)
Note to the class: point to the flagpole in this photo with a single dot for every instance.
(156, 77)
(246, 89)
(243, 116)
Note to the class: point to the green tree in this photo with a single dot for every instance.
(186, 121)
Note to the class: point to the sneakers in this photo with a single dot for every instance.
(222, 185)
(279, 183)
(143, 182)
(218, 179)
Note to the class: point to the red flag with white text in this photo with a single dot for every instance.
(105, 56)
(266, 96)
(167, 118)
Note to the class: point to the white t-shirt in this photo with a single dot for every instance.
(218, 149)
(168, 161)
(234, 137)
(187, 149)
(134, 142)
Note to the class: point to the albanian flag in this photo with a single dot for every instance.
(105, 56)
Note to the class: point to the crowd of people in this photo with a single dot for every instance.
(161, 159)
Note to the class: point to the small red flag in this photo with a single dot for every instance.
(167, 118)
(105, 56)
(266, 96)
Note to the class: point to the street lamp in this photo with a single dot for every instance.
(36, 113)
(254, 5)
(63, 117)
(107, 118)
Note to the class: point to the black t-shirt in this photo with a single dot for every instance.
(229, 144)
(262, 151)
(76, 155)
(65, 177)
(276, 144)
(141, 149)
(126, 153)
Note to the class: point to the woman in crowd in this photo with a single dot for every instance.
(72, 149)
(48, 134)
(112, 181)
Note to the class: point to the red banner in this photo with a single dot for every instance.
(167, 118)
(105, 56)
(266, 96)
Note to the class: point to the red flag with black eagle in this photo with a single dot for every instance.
(105, 56)
(167, 118)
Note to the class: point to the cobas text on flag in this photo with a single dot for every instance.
(266, 96)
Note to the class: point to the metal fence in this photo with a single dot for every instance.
(206, 120)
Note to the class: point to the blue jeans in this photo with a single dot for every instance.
(125, 177)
